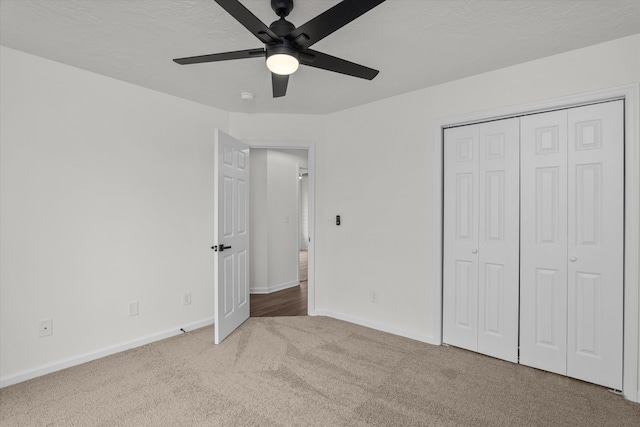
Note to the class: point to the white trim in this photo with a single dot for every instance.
(301, 170)
(93, 355)
(311, 165)
(631, 96)
(298, 218)
(274, 288)
(438, 218)
(632, 244)
(378, 326)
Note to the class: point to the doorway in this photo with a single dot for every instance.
(282, 230)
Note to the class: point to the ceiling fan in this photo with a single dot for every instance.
(286, 47)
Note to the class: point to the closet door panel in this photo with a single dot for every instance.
(460, 269)
(543, 250)
(499, 187)
(595, 243)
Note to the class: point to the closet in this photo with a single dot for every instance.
(533, 240)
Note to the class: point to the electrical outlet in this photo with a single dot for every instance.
(45, 328)
(186, 298)
(373, 296)
(133, 308)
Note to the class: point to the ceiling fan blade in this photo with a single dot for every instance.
(249, 20)
(333, 19)
(225, 56)
(317, 59)
(279, 85)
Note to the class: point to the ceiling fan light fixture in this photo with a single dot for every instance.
(282, 64)
(282, 59)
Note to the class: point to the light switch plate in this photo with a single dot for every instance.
(133, 308)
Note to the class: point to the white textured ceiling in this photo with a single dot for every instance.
(414, 44)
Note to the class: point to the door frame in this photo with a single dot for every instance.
(298, 203)
(630, 94)
(311, 166)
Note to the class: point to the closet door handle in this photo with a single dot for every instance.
(474, 251)
(573, 259)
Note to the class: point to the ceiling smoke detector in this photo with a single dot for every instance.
(247, 96)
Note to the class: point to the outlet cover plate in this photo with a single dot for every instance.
(186, 298)
(374, 297)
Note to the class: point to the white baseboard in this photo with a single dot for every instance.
(97, 354)
(378, 326)
(273, 288)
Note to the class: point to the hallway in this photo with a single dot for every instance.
(288, 302)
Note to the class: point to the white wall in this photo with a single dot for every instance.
(106, 198)
(282, 182)
(274, 218)
(303, 209)
(259, 231)
(277, 127)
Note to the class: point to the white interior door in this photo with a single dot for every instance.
(543, 251)
(595, 243)
(231, 230)
(572, 242)
(480, 291)
(460, 269)
(499, 240)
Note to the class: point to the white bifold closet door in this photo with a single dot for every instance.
(572, 172)
(543, 268)
(481, 240)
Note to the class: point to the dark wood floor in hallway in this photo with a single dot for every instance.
(288, 302)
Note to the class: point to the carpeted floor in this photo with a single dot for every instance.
(307, 371)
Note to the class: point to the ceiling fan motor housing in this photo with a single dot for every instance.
(282, 27)
(285, 48)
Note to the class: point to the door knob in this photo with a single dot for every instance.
(220, 248)
(474, 251)
(573, 259)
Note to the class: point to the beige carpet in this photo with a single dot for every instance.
(307, 371)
